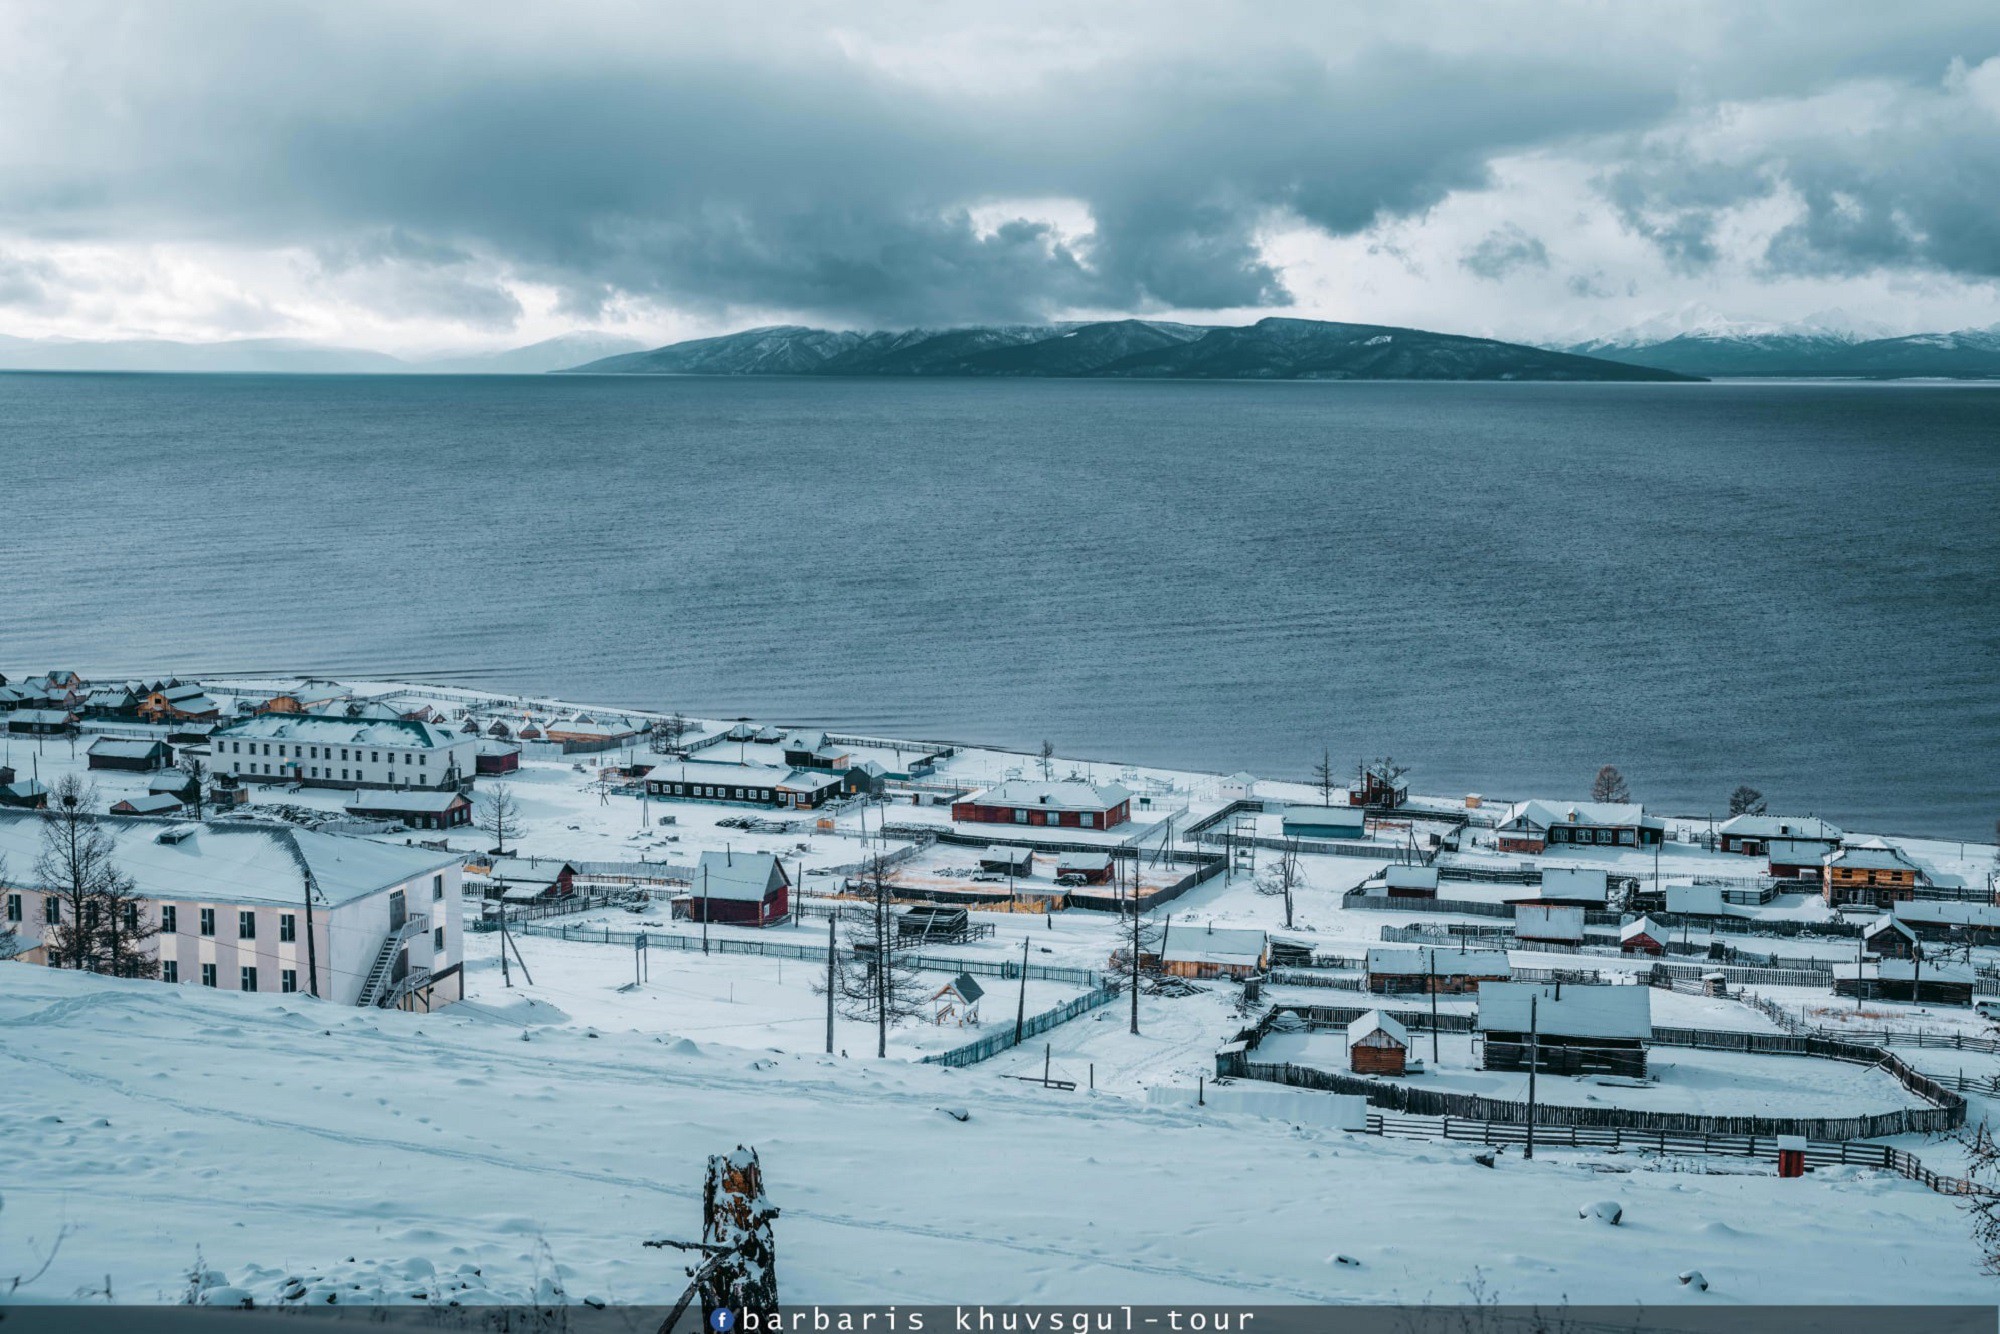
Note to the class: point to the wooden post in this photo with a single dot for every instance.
(736, 1229)
(1534, 1059)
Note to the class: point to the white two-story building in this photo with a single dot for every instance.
(321, 750)
(244, 906)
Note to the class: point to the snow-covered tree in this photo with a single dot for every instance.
(499, 815)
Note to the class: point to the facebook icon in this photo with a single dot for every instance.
(721, 1321)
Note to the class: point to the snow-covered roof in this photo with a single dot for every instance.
(744, 877)
(233, 861)
(406, 801)
(527, 870)
(1577, 1012)
(495, 747)
(1348, 817)
(1411, 877)
(1697, 900)
(1903, 970)
(170, 780)
(1582, 884)
(1209, 944)
(117, 748)
(1794, 852)
(1449, 963)
(1874, 855)
(1948, 912)
(1803, 827)
(1886, 923)
(325, 728)
(808, 780)
(1539, 814)
(1375, 1021)
(1057, 796)
(153, 803)
(1642, 926)
(1082, 861)
(718, 771)
(1548, 923)
(43, 717)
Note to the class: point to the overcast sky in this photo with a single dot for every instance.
(412, 177)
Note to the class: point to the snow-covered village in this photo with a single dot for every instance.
(368, 992)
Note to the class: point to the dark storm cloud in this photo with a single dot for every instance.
(1503, 250)
(782, 160)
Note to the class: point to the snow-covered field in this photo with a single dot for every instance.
(537, 1133)
(444, 1154)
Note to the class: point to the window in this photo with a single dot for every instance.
(288, 926)
(315, 771)
(1020, 817)
(246, 926)
(52, 910)
(437, 939)
(13, 907)
(131, 917)
(208, 924)
(208, 974)
(1086, 819)
(281, 750)
(249, 979)
(236, 748)
(437, 888)
(267, 751)
(288, 980)
(374, 757)
(423, 760)
(170, 971)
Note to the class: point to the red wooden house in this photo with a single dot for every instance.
(1642, 937)
(1071, 805)
(741, 889)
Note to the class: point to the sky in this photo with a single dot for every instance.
(425, 177)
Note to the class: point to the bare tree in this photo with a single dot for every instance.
(1746, 800)
(499, 816)
(197, 773)
(1048, 758)
(1284, 879)
(668, 733)
(874, 981)
(98, 926)
(9, 937)
(1324, 778)
(1610, 786)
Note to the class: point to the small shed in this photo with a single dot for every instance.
(1640, 936)
(134, 756)
(932, 921)
(1003, 859)
(1094, 867)
(1209, 951)
(519, 879)
(493, 756)
(177, 783)
(1917, 980)
(1697, 901)
(1325, 822)
(1449, 972)
(1565, 1029)
(154, 803)
(1548, 924)
(416, 807)
(1410, 882)
(1377, 1045)
(1889, 937)
(742, 889)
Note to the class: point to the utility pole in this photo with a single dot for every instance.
(704, 910)
(832, 955)
(1860, 939)
(312, 946)
(1534, 1059)
(1021, 1009)
(1434, 1005)
(1135, 960)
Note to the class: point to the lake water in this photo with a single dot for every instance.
(1506, 586)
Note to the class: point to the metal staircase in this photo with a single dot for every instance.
(381, 987)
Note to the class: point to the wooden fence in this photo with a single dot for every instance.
(1615, 1139)
(994, 1043)
(1883, 1037)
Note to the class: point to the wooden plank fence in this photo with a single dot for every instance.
(1614, 1139)
(994, 1043)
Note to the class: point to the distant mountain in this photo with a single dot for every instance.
(551, 354)
(240, 356)
(290, 356)
(1969, 354)
(1271, 349)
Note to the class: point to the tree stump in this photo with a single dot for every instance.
(736, 1230)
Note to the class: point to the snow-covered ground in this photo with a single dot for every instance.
(444, 1154)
